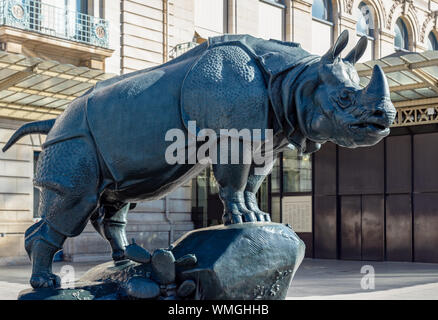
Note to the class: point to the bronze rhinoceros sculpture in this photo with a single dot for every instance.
(108, 147)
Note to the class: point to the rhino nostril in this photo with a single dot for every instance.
(378, 113)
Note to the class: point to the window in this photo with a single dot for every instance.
(102, 9)
(401, 40)
(297, 172)
(365, 20)
(82, 6)
(365, 27)
(432, 43)
(321, 9)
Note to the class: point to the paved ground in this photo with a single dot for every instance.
(335, 279)
(13, 279)
(315, 279)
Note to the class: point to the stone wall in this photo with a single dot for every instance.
(16, 193)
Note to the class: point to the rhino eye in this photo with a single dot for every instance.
(345, 98)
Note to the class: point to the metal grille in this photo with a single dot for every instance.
(181, 48)
(412, 116)
(32, 15)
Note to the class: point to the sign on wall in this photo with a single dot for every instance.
(297, 212)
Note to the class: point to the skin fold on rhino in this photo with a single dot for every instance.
(97, 159)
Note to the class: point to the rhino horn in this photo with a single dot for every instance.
(378, 86)
(356, 53)
(333, 52)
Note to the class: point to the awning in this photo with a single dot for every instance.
(413, 82)
(37, 89)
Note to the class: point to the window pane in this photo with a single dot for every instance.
(432, 43)
(365, 21)
(398, 41)
(275, 214)
(297, 172)
(275, 177)
(401, 40)
(321, 10)
(263, 196)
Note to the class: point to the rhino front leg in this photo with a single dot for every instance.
(232, 180)
(111, 224)
(253, 185)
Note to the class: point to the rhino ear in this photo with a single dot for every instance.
(354, 55)
(334, 51)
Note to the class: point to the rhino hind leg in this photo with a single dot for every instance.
(68, 176)
(232, 180)
(111, 224)
(41, 244)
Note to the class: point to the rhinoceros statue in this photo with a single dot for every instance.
(107, 149)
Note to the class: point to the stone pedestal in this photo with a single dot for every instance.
(250, 261)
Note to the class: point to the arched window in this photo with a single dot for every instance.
(322, 9)
(365, 20)
(365, 27)
(432, 43)
(401, 40)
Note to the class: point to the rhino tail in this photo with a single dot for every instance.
(32, 127)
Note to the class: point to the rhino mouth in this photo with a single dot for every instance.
(373, 128)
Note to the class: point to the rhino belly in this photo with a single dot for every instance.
(155, 186)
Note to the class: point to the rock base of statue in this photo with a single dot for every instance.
(247, 261)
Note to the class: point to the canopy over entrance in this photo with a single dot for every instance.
(413, 82)
(36, 89)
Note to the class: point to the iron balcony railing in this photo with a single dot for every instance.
(32, 15)
(181, 48)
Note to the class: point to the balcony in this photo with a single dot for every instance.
(181, 48)
(32, 15)
(37, 29)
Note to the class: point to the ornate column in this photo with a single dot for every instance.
(231, 16)
(386, 43)
(346, 22)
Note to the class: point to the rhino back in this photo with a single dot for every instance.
(225, 89)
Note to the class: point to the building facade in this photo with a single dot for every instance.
(54, 50)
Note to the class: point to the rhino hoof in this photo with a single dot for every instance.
(45, 280)
(236, 219)
(118, 255)
(229, 218)
(249, 217)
